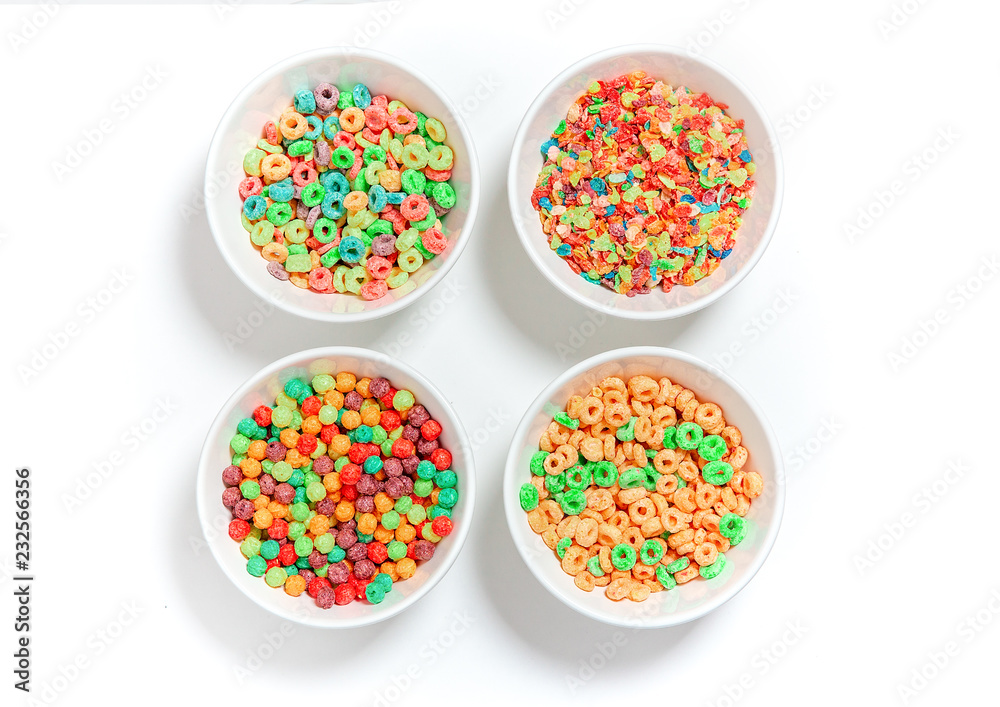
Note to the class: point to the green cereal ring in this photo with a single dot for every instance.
(566, 421)
(415, 156)
(312, 194)
(678, 564)
(426, 222)
(562, 546)
(594, 565)
(664, 577)
(626, 433)
(632, 478)
(651, 552)
(300, 148)
(435, 129)
(670, 438)
(409, 261)
(555, 483)
(262, 233)
(528, 496)
(441, 157)
(413, 182)
(275, 577)
(578, 477)
(733, 528)
(712, 570)
(444, 194)
(712, 448)
(279, 213)
(623, 557)
(251, 161)
(257, 566)
(298, 263)
(605, 474)
(652, 475)
(406, 239)
(573, 502)
(717, 472)
(689, 435)
(342, 158)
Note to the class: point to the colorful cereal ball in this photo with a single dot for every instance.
(345, 192)
(339, 489)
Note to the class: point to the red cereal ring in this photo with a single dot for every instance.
(251, 186)
(441, 458)
(370, 136)
(262, 415)
(343, 594)
(430, 430)
(437, 175)
(344, 139)
(442, 526)
(374, 289)
(350, 474)
(355, 170)
(307, 443)
(312, 243)
(287, 555)
(303, 174)
(278, 529)
(377, 552)
(271, 133)
(392, 215)
(434, 241)
(311, 406)
(378, 267)
(238, 529)
(380, 100)
(376, 118)
(390, 420)
(402, 122)
(321, 279)
(403, 448)
(415, 207)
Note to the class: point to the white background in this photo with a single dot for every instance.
(859, 92)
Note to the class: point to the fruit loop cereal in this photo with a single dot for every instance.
(639, 487)
(345, 192)
(644, 185)
(339, 489)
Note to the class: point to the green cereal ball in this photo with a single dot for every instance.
(417, 514)
(678, 564)
(275, 577)
(733, 528)
(316, 491)
(664, 577)
(422, 488)
(296, 530)
(623, 557)
(250, 489)
(321, 571)
(446, 479)
(689, 434)
(594, 565)
(396, 550)
(578, 477)
(573, 502)
(562, 546)
(328, 414)
(281, 417)
(323, 382)
(632, 478)
(303, 546)
(383, 580)
(712, 448)
(238, 458)
(670, 438)
(535, 465)
(717, 472)
(336, 554)
(626, 433)
(426, 470)
(297, 478)
(390, 520)
(528, 496)
(374, 593)
(257, 566)
(281, 471)
(379, 435)
(605, 474)
(651, 552)
(565, 420)
(299, 511)
(239, 443)
(269, 549)
(250, 547)
(403, 400)
(555, 483)
(712, 570)
(447, 498)
(325, 543)
(403, 505)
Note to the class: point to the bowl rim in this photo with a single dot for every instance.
(513, 196)
(205, 469)
(515, 515)
(279, 68)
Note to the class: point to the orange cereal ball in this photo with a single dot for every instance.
(331, 482)
(370, 415)
(257, 449)
(295, 585)
(289, 437)
(346, 382)
(261, 502)
(405, 533)
(406, 568)
(339, 445)
(384, 504)
(277, 510)
(362, 387)
(344, 511)
(295, 458)
(312, 425)
(263, 519)
(334, 398)
(319, 524)
(351, 420)
(367, 523)
(384, 535)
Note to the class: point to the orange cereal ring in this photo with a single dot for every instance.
(686, 574)
(663, 416)
(643, 388)
(753, 484)
(618, 589)
(600, 500)
(638, 592)
(709, 416)
(706, 495)
(293, 125)
(574, 406)
(613, 383)
(555, 463)
(558, 434)
(275, 167)
(666, 484)
(710, 522)
(742, 505)
(684, 499)
(675, 520)
(642, 571)
(571, 455)
(705, 554)
(574, 560)
(721, 543)
(737, 458)
(643, 428)
(585, 533)
(552, 511)
(592, 449)
(683, 398)
(550, 537)
(352, 119)
(619, 520)
(608, 535)
(406, 568)
(688, 411)
(614, 397)
(680, 538)
(640, 408)
(585, 581)
(567, 526)
(616, 414)
(604, 557)
(630, 496)
(732, 436)
(591, 410)
(633, 536)
(688, 471)
(660, 501)
(651, 527)
(728, 498)
(537, 521)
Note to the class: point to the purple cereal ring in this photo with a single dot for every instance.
(302, 211)
(423, 550)
(326, 96)
(232, 475)
(379, 386)
(278, 271)
(439, 210)
(322, 152)
(314, 215)
(230, 496)
(383, 245)
(364, 568)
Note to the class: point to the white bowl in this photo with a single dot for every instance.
(685, 602)
(676, 67)
(264, 99)
(260, 389)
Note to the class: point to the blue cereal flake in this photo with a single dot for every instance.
(720, 254)
(745, 156)
(610, 210)
(551, 142)
(545, 203)
(683, 250)
(708, 208)
(599, 185)
(687, 199)
(564, 250)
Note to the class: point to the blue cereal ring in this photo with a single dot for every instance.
(315, 127)
(305, 101)
(334, 181)
(362, 96)
(331, 126)
(351, 249)
(282, 191)
(254, 207)
(378, 197)
(333, 206)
